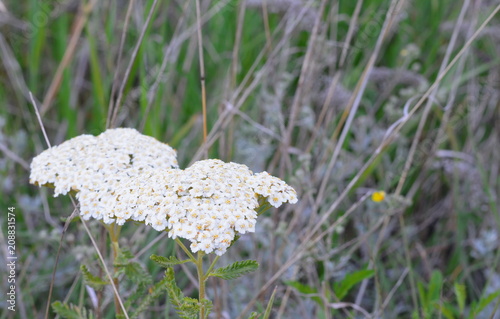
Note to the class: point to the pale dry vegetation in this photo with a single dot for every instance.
(337, 99)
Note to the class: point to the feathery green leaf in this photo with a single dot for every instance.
(93, 281)
(166, 262)
(235, 270)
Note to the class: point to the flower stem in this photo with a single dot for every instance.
(263, 206)
(211, 267)
(178, 241)
(201, 279)
(114, 234)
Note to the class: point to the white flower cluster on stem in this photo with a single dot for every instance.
(207, 203)
(89, 162)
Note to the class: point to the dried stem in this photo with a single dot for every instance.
(202, 74)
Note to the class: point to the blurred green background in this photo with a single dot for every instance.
(300, 89)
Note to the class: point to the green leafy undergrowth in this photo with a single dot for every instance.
(433, 304)
(71, 311)
(338, 291)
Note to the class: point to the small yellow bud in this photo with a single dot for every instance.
(378, 196)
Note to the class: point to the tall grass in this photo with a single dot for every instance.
(326, 95)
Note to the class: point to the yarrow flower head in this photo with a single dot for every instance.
(122, 175)
(208, 203)
(93, 166)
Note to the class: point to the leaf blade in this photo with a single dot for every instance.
(167, 262)
(343, 287)
(235, 269)
(91, 280)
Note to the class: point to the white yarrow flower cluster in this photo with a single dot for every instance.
(93, 166)
(274, 189)
(208, 203)
(122, 175)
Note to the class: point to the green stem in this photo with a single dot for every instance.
(263, 206)
(114, 235)
(201, 279)
(211, 267)
(193, 259)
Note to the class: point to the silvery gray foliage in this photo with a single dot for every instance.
(470, 182)
(302, 13)
(465, 28)
(384, 75)
(338, 98)
(485, 244)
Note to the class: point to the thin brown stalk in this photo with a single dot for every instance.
(39, 118)
(13, 156)
(13, 69)
(81, 19)
(118, 61)
(202, 74)
(392, 292)
(169, 52)
(56, 262)
(117, 297)
(233, 73)
(267, 28)
(430, 100)
(237, 42)
(117, 105)
(350, 32)
(324, 109)
(304, 75)
(355, 100)
(284, 302)
(244, 89)
(103, 248)
(248, 85)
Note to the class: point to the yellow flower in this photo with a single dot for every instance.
(378, 196)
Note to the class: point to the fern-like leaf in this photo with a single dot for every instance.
(167, 262)
(93, 281)
(65, 311)
(174, 292)
(235, 270)
(189, 309)
(154, 293)
(71, 311)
